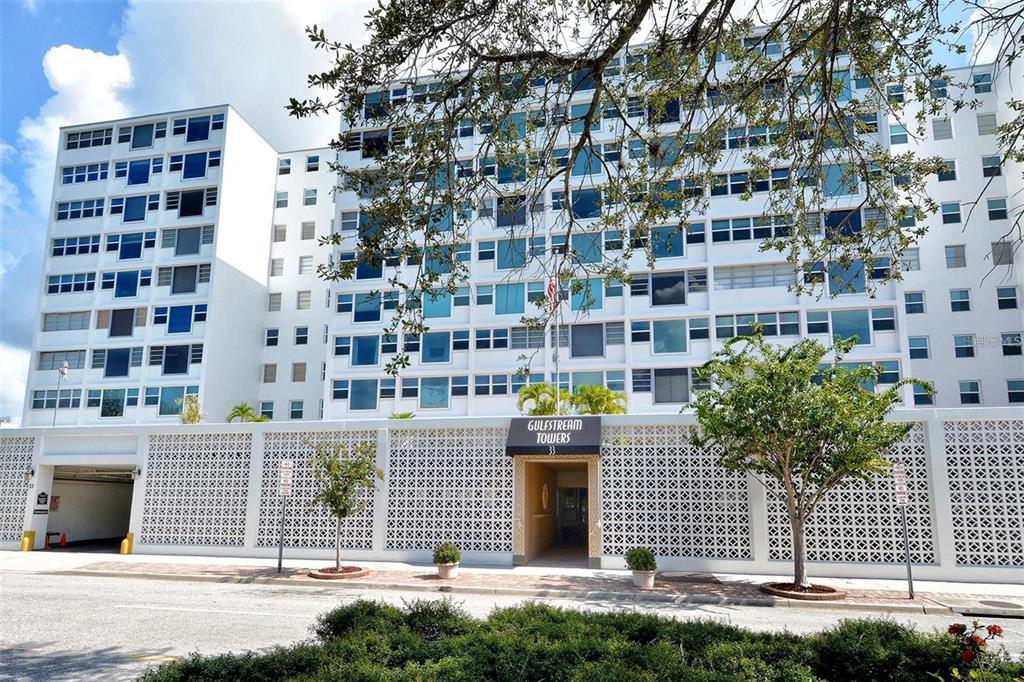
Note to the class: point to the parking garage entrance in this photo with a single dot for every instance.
(89, 508)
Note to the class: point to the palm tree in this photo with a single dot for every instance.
(598, 400)
(542, 396)
(244, 412)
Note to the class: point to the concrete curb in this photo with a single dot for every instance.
(625, 597)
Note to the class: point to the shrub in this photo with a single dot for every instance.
(447, 553)
(362, 614)
(433, 619)
(641, 559)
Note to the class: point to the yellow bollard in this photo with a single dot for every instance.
(28, 540)
(127, 543)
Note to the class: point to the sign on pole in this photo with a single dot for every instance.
(899, 481)
(284, 491)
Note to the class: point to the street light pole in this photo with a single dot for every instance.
(62, 373)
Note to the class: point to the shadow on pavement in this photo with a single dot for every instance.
(31, 661)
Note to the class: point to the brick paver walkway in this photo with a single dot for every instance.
(697, 587)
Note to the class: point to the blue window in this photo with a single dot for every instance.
(134, 208)
(118, 360)
(587, 379)
(194, 166)
(668, 288)
(578, 113)
(838, 181)
(511, 211)
(509, 298)
(179, 319)
(367, 270)
(667, 241)
(130, 246)
(590, 295)
(588, 161)
(367, 308)
(433, 392)
(849, 323)
(198, 129)
(436, 347)
(670, 336)
(511, 253)
(126, 284)
(138, 172)
(846, 280)
(171, 399)
(586, 203)
(365, 350)
(842, 223)
(586, 247)
(437, 303)
(363, 395)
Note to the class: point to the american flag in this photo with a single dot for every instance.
(553, 293)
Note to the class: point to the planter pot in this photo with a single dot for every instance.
(643, 579)
(447, 571)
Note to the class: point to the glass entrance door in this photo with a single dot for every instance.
(572, 516)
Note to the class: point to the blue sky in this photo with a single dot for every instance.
(75, 61)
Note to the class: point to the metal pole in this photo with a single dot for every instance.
(280, 538)
(56, 403)
(558, 343)
(906, 549)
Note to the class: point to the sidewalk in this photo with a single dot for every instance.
(885, 596)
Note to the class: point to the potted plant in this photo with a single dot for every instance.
(640, 560)
(447, 557)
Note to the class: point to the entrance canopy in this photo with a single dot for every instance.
(567, 435)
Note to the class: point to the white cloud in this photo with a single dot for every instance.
(13, 370)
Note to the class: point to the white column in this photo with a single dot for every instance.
(757, 503)
(942, 514)
(252, 500)
(139, 487)
(380, 493)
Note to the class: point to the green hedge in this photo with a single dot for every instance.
(434, 640)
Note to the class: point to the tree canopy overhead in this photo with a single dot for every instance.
(562, 120)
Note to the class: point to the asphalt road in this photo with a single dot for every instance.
(92, 628)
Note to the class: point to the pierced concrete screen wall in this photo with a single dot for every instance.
(308, 524)
(449, 485)
(15, 460)
(860, 521)
(985, 465)
(658, 491)
(196, 489)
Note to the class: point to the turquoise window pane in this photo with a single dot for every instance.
(846, 280)
(835, 185)
(595, 287)
(367, 307)
(587, 379)
(436, 347)
(843, 83)
(588, 162)
(511, 253)
(667, 241)
(171, 398)
(849, 323)
(434, 392)
(669, 336)
(364, 350)
(577, 112)
(363, 394)
(586, 203)
(509, 298)
(587, 247)
(437, 303)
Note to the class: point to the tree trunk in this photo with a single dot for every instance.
(337, 546)
(799, 551)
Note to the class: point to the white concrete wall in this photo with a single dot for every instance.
(91, 510)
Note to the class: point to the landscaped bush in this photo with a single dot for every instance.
(435, 640)
(447, 553)
(640, 559)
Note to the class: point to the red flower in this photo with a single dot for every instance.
(978, 640)
(967, 656)
(957, 629)
(995, 630)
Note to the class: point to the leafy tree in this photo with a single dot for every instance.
(191, 411)
(628, 117)
(798, 417)
(343, 475)
(401, 415)
(598, 400)
(244, 412)
(538, 400)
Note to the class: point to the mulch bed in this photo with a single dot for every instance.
(342, 573)
(807, 592)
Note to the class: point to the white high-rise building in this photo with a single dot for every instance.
(183, 251)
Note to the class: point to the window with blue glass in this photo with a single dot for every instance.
(588, 161)
(365, 350)
(367, 308)
(839, 181)
(669, 336)
(580, 379)
(842, 223)
(586, 203)
(586, 247)
(367, 270)
(436, 347)
(171, 399)
(511, 210)
(138, 172)
(511, 253)
(668, 288)
(194, 166)
(588, 294)
(117, 362)
(846, 279)
(509, 298)
(362, 394)
(437, 303)
(179, 319)
(667, 241)
(126, 284)
(849, 323)
(434, 392)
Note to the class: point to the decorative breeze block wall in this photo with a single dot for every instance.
(985, 464)
(659, 491)
(196, 489)
(449, 485)
(860, 522)
(308, 524)
(15, 459)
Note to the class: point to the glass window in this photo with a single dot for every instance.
(509, 298)
(587, 379)
(194, 166)
(849, 323)
(179, 319)
(434, 392)
(959, 300)
(436, 347)
(176, 359)
(963, 345)
(188, 241)
(198, 129)
(586, 203)
(367, 308)
(363, 395)
(956, 256)
(587, 340)
(671, 385)
(918, 347)
(135, 208)
(922, 396)
(171, 399)
(669, 336)
(126, 284)
(118, 361)
(586, 247)
(112, 404)
(846, 280)
(589, 296)
(511, 253)
(667, 241)
(668, 288)
(970, 392)
(184, 279)
(142, 136)
(437, 303)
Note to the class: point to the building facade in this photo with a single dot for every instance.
(183, 252)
